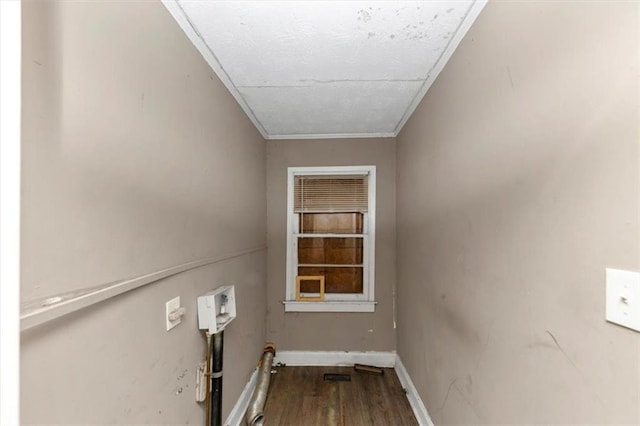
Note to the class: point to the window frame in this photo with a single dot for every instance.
(335, 302)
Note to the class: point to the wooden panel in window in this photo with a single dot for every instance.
(311, 251)
(331, 223)
(334, 251)
(337, 279)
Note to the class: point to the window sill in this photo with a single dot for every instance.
(329, 306)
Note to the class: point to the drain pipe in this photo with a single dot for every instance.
(216, 380)
(207, 369)
(255, 412)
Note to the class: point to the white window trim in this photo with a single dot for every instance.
(333, 303)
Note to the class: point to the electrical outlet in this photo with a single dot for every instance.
(172, 306)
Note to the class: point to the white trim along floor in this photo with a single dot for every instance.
(336, 358)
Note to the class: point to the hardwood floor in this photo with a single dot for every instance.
(301, 396)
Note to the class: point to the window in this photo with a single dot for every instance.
(330, 239)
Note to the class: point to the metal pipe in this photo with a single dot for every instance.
(216, 379)
(207, 370)
(255, 412)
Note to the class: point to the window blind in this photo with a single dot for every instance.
(331, 194)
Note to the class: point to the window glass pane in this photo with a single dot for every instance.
(332, 251)
(331, 223)
(336, 279)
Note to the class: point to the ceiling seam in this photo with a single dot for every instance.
(363, 80)
(285, 86)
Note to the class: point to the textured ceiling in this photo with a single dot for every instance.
(326, 68)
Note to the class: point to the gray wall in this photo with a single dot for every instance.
(332, 331)
(135, 158)
(517, 187)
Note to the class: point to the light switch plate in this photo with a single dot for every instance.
(172, 305)
(623, 298)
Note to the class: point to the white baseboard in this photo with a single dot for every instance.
(236, 415)
(335, 358)
(419, 410)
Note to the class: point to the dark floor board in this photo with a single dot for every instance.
(300, 396)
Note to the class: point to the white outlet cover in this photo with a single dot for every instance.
(623, 298)
(171, 306)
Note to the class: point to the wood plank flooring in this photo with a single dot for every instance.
(300, 396)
